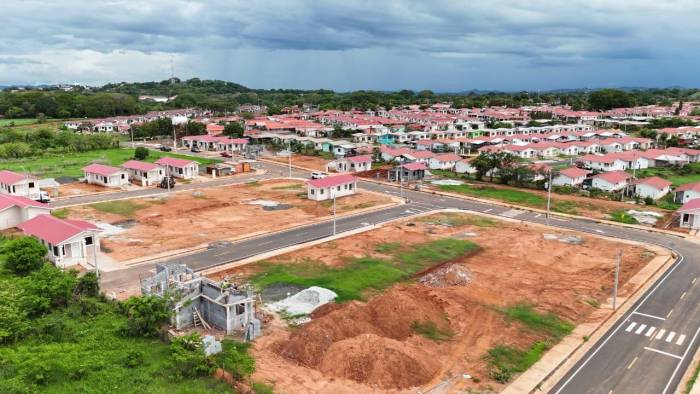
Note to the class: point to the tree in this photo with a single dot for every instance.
(188, 358)
(605, 99)
(247, 115)
(141, 153)
(24, 255)
(13, 318)
(46, 288)
(233, 129)
(145, 315)
(88, 285)
(484, 163)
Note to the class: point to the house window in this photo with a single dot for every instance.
(55, 251)
(338, 188)
(31, 184)
(123, 176)
(686, 217)
(320, 191)
(88, 240)
(313, 191)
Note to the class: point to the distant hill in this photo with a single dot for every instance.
(175, 86)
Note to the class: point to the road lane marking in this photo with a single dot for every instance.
(670, 336)
(488, 210)
(680, 340)
(631, 326)
(660, 334)
(640, 329)
(694, 279)
(538, 215)
(683, 295)
(669, 313)
(647, 315)
(661, 352)
(632, 363)
(600, 231)
(650, 331)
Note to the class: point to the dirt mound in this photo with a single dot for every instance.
(386, 321)
(380, 361)
(452, 275)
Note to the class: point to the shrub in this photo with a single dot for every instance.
(188, 357)
(88, 285)
(141, 153)
(145, 315)
(49, 287)
(24, 255)
(13, 318)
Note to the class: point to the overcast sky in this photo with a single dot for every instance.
(347, 45)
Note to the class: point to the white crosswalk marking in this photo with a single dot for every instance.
(640, 329)
(631, 326)
(670, 336)
(660, 334)
(650, 331)
(680, 340)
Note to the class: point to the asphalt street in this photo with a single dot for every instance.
(647, 351)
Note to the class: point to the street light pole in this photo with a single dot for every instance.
(549, 194)
(334, 224)
(289, 149)
(617, 275)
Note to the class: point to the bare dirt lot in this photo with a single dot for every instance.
(311, 162)
(82, 188)
(150, 226)
(377, 345)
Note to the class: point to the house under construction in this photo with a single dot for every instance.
(201, 301)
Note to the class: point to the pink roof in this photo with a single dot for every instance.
(654, 181)
(331, 181)
(690, 205)
(54, 230)
(448, 157)
(689, 186)
(599, 159)
(360, 159)
(10, 178)
(174, 162)
(613, 177)
(414, 166)
(420, 154)
(101, 169)
(7, 201)
(573, 172)
(140, 165)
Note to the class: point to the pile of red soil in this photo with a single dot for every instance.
(368, 342)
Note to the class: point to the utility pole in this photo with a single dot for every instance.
(289, 149)
(132, 137)
(334, 226)
(549, 194)
(617, 275)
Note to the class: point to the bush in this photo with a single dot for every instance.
(47, 288)
(648, 201)
(13, 318)
(24, 255)
(235, 359)
(145, 315)
(141, 153)
(88, 285)
(188, 357)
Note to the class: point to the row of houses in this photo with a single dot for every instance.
(620, 161)
(140, 172)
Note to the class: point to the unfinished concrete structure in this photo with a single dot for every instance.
(199, 300)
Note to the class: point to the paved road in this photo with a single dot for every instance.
(647, 351)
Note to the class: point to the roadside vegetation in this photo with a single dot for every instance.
(126, 208)
(505, 360)
(622, 216)
(360, 276)
(678, 175)
(59, 335)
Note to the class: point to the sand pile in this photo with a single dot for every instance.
(451, 275)
(368, 342)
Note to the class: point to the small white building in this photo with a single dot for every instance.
(465, 167)
(331, 186)
(69, 242)
(611, 181)
(16, 184)
(179, 168)
(687, 192)
(690, 214)
(653, 187)
(572, 176)
(17, 209)
(143, 173)
(354, 164)
(444, 161)
(99, 174)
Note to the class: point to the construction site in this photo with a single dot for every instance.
(440, 324)
(187, 220)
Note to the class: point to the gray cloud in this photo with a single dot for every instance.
(451, 45)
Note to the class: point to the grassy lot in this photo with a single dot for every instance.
(623, 217)
(669, 174)
(507, 195)
(72, 164)
(452, 219)
(125, 208)
(504, 360)
(353, 280)
(16, 122)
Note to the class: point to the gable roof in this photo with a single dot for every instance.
(140, 165)
(174, 162)
(691, 205)
(415, 166)
(54, 230)
(101, 169)
(331, 181)
(10, 178)
(613, 177)
(689, 186)
(573, 172)
(7, 201)
(654, 181)
(360, 159)
(447, 157)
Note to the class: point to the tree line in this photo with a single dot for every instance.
(15, 144)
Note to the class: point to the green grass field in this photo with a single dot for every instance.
(622, 216)
(668, 174)
(353, 280)
(125, 208)
(71, 164)
(16, 122)
(506, 195)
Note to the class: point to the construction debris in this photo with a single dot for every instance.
(567, 239)
(305, 301)
(211, 345)
(199, 301)
(452, 275)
